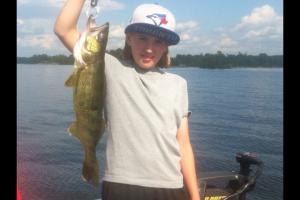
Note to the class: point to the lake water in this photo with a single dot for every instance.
(232, 110)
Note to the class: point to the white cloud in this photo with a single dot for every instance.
(260, 30)
(105, 5)
(263, 22)
(194, 41)
(43, 41)
(18, 40)
(266, 31)
(196, 44)
(110, 5)
(22, 2)
(227, 42)
(116, 31)
(261, 15)
(183, 26)
(188, 31)
(185, 36)
(34, 26)
(116, 37)
(20, 21)
(56, 3)
(39, 2)
(114, 43)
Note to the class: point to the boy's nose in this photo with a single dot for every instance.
(149, 46)
(149, 50)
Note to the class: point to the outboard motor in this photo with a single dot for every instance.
(232, 185)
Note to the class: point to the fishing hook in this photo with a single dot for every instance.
(94, 3)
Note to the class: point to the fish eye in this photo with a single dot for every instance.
(100, 36)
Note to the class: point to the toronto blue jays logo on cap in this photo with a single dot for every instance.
(154, 20)
(158, 19)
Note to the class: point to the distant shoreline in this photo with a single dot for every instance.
(177, 66)
(214, 61)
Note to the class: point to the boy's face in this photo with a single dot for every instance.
(146, 50)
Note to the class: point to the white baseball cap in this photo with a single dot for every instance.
(154, 20)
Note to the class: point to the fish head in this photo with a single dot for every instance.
(95, 41)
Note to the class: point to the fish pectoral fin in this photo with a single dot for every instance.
(72, 129)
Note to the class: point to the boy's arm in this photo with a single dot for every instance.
(187, 160)
(65, 26)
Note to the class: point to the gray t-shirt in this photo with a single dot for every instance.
(144, 109)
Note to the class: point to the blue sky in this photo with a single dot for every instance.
(204, 26)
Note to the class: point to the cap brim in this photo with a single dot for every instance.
(163, 34)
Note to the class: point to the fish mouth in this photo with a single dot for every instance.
(100, 32)
(91, 26)
(102, 28)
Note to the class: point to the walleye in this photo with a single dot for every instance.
(88, 82)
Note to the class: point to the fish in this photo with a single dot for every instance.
(89, 90)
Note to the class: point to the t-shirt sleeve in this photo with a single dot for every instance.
(184, 100)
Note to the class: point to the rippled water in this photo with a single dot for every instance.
(232, 110)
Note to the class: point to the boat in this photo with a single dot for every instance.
(232, 185)
(227, 185)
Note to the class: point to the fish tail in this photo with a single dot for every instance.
(90, 173)
(90, 169)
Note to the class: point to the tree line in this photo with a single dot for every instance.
(217, 60)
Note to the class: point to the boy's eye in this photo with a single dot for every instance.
(158, 42)
(142, 38)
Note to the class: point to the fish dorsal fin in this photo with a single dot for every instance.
(71, 81)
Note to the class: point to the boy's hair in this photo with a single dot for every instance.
(164, 62)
